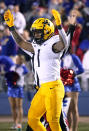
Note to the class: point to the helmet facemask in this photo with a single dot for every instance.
(38, 36)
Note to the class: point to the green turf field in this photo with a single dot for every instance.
(83, 127)
(6, 126)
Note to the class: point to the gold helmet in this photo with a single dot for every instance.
(45, 26)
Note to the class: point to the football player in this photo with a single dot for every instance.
(48, 49)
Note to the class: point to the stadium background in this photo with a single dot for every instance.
(29, 10)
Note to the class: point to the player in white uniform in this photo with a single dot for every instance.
(47, 50)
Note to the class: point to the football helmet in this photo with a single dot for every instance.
(43, 26)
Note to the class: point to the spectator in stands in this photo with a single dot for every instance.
(67, 5)
(86, 2)
(54, 4)
(19, 19)
(15, 90)
(11, 8)
(21, 3)
(79, 5)
(40, 13)
(8, 45)
(43, 3)
(10, 2)
(30, 13)
(75, 39)
(2, 6)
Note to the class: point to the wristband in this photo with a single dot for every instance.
(59, 27)
(12, 28)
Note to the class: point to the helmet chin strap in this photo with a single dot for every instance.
(39, 41)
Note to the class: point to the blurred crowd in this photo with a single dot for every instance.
(26, 11)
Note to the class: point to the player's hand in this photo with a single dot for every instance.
(9, 19)
(57, 17)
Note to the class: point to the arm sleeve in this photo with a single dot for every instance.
(63, 34)
(69, 37)
(78, 64)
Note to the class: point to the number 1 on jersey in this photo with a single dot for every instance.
(38, 57)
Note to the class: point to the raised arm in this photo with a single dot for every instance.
(9, 19)
(63, 36)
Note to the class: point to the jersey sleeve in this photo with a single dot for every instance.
(50, 44)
